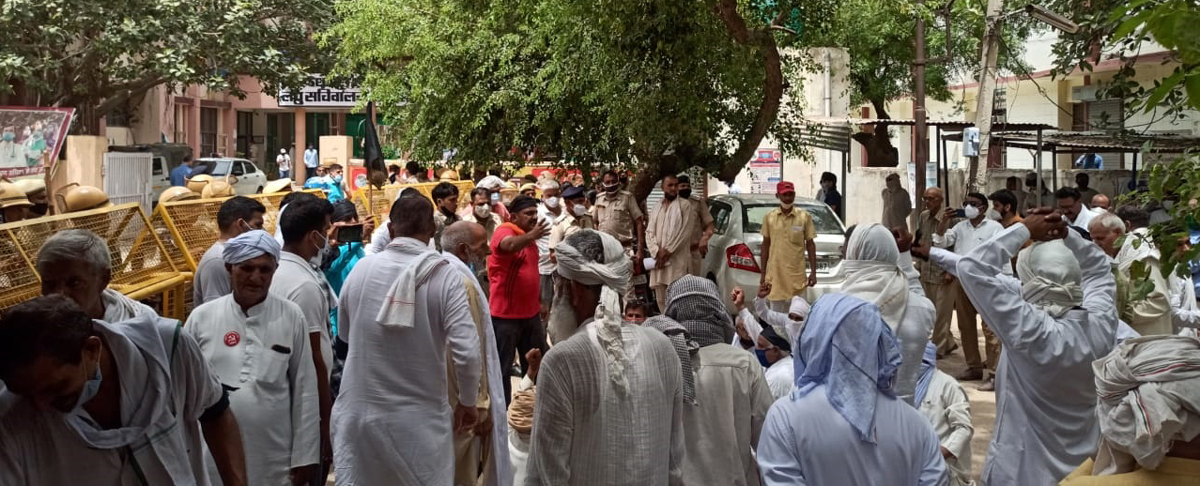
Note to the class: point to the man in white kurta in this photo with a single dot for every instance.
(780, 374)
(844, 425)
(258, 346)
(400, 311)
(942, 401)
(167, 396)
(608, 398)
(1053, 324)
(463, 242)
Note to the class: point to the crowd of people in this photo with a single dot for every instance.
(507, 343)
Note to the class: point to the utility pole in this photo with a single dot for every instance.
(920, 130)
(977, 179)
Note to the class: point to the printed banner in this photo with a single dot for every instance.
(766, 170)
(31, 138)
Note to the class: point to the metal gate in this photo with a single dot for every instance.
(127, 177)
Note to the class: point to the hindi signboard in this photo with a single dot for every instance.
(316, 93)
(766, 170)
(31, 138)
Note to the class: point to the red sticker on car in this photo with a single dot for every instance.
(232, 338)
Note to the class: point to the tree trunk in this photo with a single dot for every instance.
(880, 151)
(651, 172)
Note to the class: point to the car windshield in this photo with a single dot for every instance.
(823, 219)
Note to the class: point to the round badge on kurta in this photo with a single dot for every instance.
(232, 338)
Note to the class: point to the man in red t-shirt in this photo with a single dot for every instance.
(514, 281)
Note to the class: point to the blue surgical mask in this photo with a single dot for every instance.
(495, 197)
(90, 388)
(762, 357)
(9, 136)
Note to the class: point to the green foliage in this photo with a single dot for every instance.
(1177, 184)
(595, 83)
(98, 55)
(879, 35)
(1126, 27)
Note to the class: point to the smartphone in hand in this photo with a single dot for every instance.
(350, 233)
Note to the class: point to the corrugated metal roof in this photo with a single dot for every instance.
(1083, 142)
(945, 124)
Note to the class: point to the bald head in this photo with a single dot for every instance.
(1100, 201)
(933, 199)
(465, 240)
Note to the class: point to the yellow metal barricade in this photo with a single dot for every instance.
(142, 266)
(381, 199)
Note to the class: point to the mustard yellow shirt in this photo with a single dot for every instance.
(1171, 472)
(788, 234)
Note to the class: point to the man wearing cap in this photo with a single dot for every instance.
(617, 213)
(258, 346)
(13, 203)
(513, 277)
(577, 217)
(789, 232)
(897, 204)
(494, 184)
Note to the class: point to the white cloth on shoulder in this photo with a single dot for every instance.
(400, 303)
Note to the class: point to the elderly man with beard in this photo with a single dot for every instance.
(1061, 313)
(608, 398)
(879, 270)
(481, 457)
(725, 394)
(843, 424)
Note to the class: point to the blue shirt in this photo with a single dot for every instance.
(180, 174)
(336, 275)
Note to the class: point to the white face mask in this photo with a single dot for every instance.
(482, 211)
(322, 250)
(551, 202)
(971, 212)
(786, 205)
(579, 210)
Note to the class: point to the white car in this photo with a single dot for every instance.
(241, 173)
(735, 249)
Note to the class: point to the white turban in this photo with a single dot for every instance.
(1050, 277)
(250, 245)
(491, 183)
(799, 307)
(613, 275)
(1148, 392)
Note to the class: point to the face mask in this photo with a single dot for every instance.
(90, 388)
(971, 212)
(482, 211)
(9, 136)
(786, 205)
(611, 188)
(551, 202)
(495, 197)
(337, 178)
(579, 210)
(685, 193)
(993, 215)
(322, 251)
(762, 357)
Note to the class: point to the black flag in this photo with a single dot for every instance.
(372, 152)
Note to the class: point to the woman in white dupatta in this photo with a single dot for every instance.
(879, 273)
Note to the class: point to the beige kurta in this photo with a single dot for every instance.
(672, 225)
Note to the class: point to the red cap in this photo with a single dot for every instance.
(785, 187)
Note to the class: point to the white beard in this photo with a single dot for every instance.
(563, 322)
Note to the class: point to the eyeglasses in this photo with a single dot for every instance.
(972, 203)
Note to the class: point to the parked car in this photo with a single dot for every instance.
(735, 249)
(243, 175)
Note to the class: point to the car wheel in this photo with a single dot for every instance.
(712, 278)
(259, 191)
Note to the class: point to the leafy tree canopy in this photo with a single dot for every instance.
(103, 55)
(672, 84)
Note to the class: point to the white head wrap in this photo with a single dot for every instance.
(249, 245)
(491, 183)
(873, 272)
(613, 275)
(1050, 277)
(1148, 393)
(799, 307)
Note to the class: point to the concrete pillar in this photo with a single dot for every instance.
(229, 120)
(298, 153)
(193, 128)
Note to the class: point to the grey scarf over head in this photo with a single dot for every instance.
(696, 305)
(684, 347)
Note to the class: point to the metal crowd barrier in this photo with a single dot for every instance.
(380, 200)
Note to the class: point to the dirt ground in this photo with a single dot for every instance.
(983, 404)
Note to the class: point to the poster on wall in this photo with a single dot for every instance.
(766, 170)
(31, 138)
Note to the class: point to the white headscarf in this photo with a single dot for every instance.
(491, 183)
(874, 274)
(1050, 277)
(250, 245)
(1148, 392)
(613, 275)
